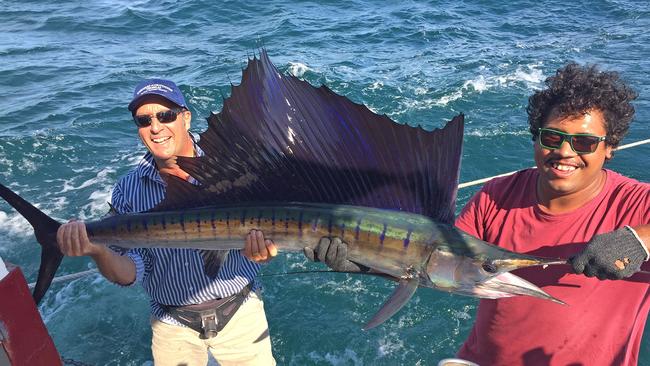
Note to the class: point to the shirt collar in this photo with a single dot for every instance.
(147, 166)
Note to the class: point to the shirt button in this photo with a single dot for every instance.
(191, 288)
(187, 264)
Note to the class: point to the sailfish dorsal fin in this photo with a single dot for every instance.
(278, 138)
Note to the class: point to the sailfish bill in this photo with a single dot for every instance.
(332, 168)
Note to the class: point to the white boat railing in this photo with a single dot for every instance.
(73, 276)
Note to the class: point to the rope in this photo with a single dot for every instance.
(69, 277)
(480, 181)
(74, 276)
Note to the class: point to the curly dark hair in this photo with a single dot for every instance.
(575, 89)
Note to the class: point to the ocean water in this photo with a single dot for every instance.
(67, 71)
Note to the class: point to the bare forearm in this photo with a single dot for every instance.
(116, 268)
(73, 241)
(644, 233)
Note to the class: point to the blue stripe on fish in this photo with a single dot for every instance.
(407, 240)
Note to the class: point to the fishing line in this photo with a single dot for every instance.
(74, 276)
(295, 272)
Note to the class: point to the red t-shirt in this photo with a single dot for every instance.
(603, 321)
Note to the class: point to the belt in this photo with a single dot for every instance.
(210, 317)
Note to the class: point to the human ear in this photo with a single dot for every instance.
(609, 151)
(187, 119)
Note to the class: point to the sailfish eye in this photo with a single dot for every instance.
(489, 267)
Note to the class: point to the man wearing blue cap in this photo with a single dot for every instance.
(192, 312)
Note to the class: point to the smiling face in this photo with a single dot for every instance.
(165, 140)
(566, 175)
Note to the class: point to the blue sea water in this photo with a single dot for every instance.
(68, 68)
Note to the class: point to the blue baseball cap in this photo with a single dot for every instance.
(165, 88)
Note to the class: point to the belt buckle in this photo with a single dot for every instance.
(209, 322)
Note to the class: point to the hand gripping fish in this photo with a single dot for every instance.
(301, 163)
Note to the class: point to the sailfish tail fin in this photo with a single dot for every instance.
(45, 229)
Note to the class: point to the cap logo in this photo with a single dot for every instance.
(154, 87)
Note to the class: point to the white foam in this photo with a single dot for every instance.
(479, 84)
(200, 98)
(133, 159)
(464, 315)
(372, 109)
(132, 156)
(348, 286)
(532, 75)
(529, 75)
(298, 69)
(14, 224)
(376, 85)
(347, 72)
(348, 356)
(391, 344)
(459, 316)
(58, 203)
(57, 301)
(102, 176)
(98, 206)
(83, 169)
(345, 358)
(499, 130)
(421, 91)
(27, 166)
(67, 185)
(444, 100)
(522, 45)
(5, 161)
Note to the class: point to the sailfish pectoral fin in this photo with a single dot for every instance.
(396, 301)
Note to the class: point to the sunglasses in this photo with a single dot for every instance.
(168, 116)
(581, 143)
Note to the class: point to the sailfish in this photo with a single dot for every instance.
(301, 163)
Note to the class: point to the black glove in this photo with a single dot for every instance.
(334, 253)
(614, 255)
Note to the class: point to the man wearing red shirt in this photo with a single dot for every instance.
(568, 207)
(553, 211)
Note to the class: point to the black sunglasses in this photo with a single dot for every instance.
(168, 116)
(581, 143)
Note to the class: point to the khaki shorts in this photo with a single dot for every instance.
(243, 341)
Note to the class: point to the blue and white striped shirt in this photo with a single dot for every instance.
(174, 276)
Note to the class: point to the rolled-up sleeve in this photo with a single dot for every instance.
(140, 267)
